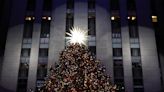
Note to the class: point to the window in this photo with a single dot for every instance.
(137, 73)
(118, 72)
(31, 5)
(91, 4)
(28, 29)
(25, 52)
(43, 52)
(137, 82)
(135, 52)
(70, 4)
(91, 24)
(45, 29)
(22, 84)
(118, 68)
(69, 21)
(138, 90)
(133, 30)
(42, 71)
(118, 62)
(47, 5)
(92, 49)
(114, 4)
(117, 52)
(120, 84)
(154, 19)
(116, 27)
(23, 70)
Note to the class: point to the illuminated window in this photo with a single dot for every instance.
(29, 18)
(154, 19)
(46, 18)
(112, 18)
(131, 17)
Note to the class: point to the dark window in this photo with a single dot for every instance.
(22, 84)
(23, 70)
(42, 71)
(91, 4)
(43, 52)
(138, 82)
(117, 52)
(118, 63)
(136, 65)
(114, 4)
(138, 89)
(70, 4)
(137, 73)
(116, 27)
(135, 52)
(118, 72)
(120, 84)
(133, 30)
(45, 29)
(131, 4)
(91, 25)
(69, 21)
(28, 29)
(47, 5)
(92, 49)
(31, 5)
(25, 53)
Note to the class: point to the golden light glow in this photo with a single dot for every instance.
(154, 18)
(133, 17)
(77, 35)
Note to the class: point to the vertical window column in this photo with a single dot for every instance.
(117, 45)
(69, 18)
(135, 47)
(25, 55)
(92, 27)
(43, 52)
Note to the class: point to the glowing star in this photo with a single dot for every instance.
(77, 36)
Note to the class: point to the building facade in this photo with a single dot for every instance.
(120, 32)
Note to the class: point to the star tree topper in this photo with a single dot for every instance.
(77, 35)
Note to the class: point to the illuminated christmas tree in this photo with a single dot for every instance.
(77, 70)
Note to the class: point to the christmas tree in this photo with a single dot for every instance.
(77, 71)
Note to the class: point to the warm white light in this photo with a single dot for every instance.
(112, 18)
(133, 17)
(77, 35)
(154, 18)
(49, 18)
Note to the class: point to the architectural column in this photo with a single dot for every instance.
(127, 64)
(103, 36)
(57, 31)
(149, 57)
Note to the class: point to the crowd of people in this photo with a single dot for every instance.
(77, 71)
